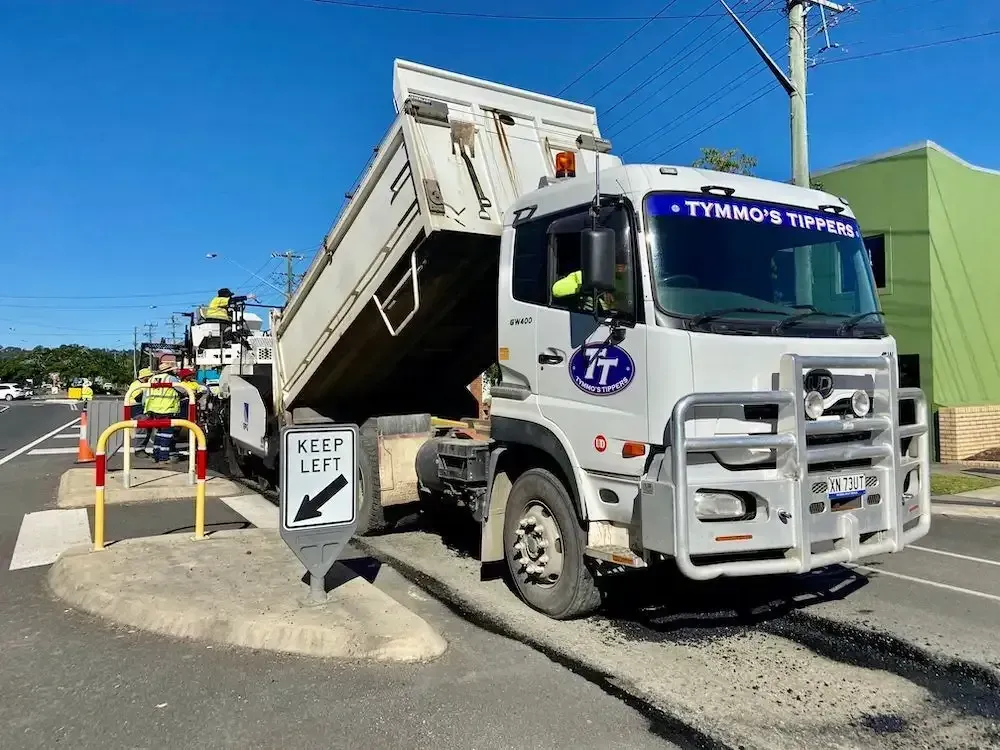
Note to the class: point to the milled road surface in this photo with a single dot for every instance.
(840, 659)
(71, 680)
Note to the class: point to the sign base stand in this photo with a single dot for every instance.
(317, 592)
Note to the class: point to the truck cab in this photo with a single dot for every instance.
(734, 405)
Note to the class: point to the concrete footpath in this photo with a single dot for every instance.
(243, 588)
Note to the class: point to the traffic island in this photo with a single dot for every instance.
(76, 488)
(244, 588)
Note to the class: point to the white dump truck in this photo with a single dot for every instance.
(709, 383)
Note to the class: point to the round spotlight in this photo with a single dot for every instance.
(814, 405)
(861, 403)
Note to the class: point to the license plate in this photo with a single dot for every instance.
(850, 485)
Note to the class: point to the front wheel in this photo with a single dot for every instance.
(543, 546)
(8, 397)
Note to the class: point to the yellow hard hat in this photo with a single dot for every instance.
(145, 372)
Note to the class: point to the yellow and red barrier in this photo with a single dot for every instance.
(101, 470)
(192, 416)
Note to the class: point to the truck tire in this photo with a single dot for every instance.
(371, 516)
(546, 561)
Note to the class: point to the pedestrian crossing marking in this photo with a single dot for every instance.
(46, 534)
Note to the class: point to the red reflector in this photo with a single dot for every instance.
(735, 538)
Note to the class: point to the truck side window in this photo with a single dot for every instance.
(548, 248)
(530, 273)
(564, 259)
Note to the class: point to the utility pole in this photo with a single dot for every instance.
(173, 328)
(135, 352)
(290, 258)
(797, 98)
(794, 83)
(150, 327)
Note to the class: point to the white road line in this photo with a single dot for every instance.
(936, 584)
(982, 560)
(47, 534)
(256, 509)
(68, 436)
(33, 443)
(52, 451)
(3, 409)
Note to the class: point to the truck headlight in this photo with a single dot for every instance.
(814, 404)
(718, 506)
(861, 403)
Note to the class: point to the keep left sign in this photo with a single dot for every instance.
(319, 476)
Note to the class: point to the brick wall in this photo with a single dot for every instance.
(964, 431)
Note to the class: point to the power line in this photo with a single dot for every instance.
(65, 308)
(643, 58)
(495, 16)
(755, 97)
(617, 47)
(912, 47)
(896, 35)
(685, 52)
(633, 121)
(699, 107)
(104, 296)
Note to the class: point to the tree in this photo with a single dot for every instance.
(735, 162)
(70, 361)
(731, 160)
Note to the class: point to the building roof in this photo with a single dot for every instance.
(919, 146)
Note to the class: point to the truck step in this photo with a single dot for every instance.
(617, 555)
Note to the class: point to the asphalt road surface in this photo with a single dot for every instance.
(70, 680)
(900, 652)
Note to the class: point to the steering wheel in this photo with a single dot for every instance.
(665, 281)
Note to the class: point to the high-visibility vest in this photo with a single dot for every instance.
(217, 309)
(162, 400)
(136, 394)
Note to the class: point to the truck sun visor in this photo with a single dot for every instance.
(752, 212)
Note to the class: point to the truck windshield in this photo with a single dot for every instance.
(721, 258)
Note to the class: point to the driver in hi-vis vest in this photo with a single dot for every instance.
(569, 286)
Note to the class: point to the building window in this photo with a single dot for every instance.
(876, 253)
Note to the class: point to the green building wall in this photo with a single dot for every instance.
(889, 197)
(941, 221)
(964, 207)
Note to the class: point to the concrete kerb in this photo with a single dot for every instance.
(76, 487)
(970, 509)
(241, 588)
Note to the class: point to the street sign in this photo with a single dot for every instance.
(318, 495)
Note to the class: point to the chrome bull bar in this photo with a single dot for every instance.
(787, 524)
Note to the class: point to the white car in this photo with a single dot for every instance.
(10, 392)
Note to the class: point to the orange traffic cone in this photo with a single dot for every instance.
(83, 454)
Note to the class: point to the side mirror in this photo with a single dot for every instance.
(597, 261)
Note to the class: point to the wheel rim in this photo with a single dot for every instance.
(538, 548)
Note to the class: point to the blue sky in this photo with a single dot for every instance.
(139, 135)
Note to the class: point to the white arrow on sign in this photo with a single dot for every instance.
(319, 479)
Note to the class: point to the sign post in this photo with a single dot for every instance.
(318, 498)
